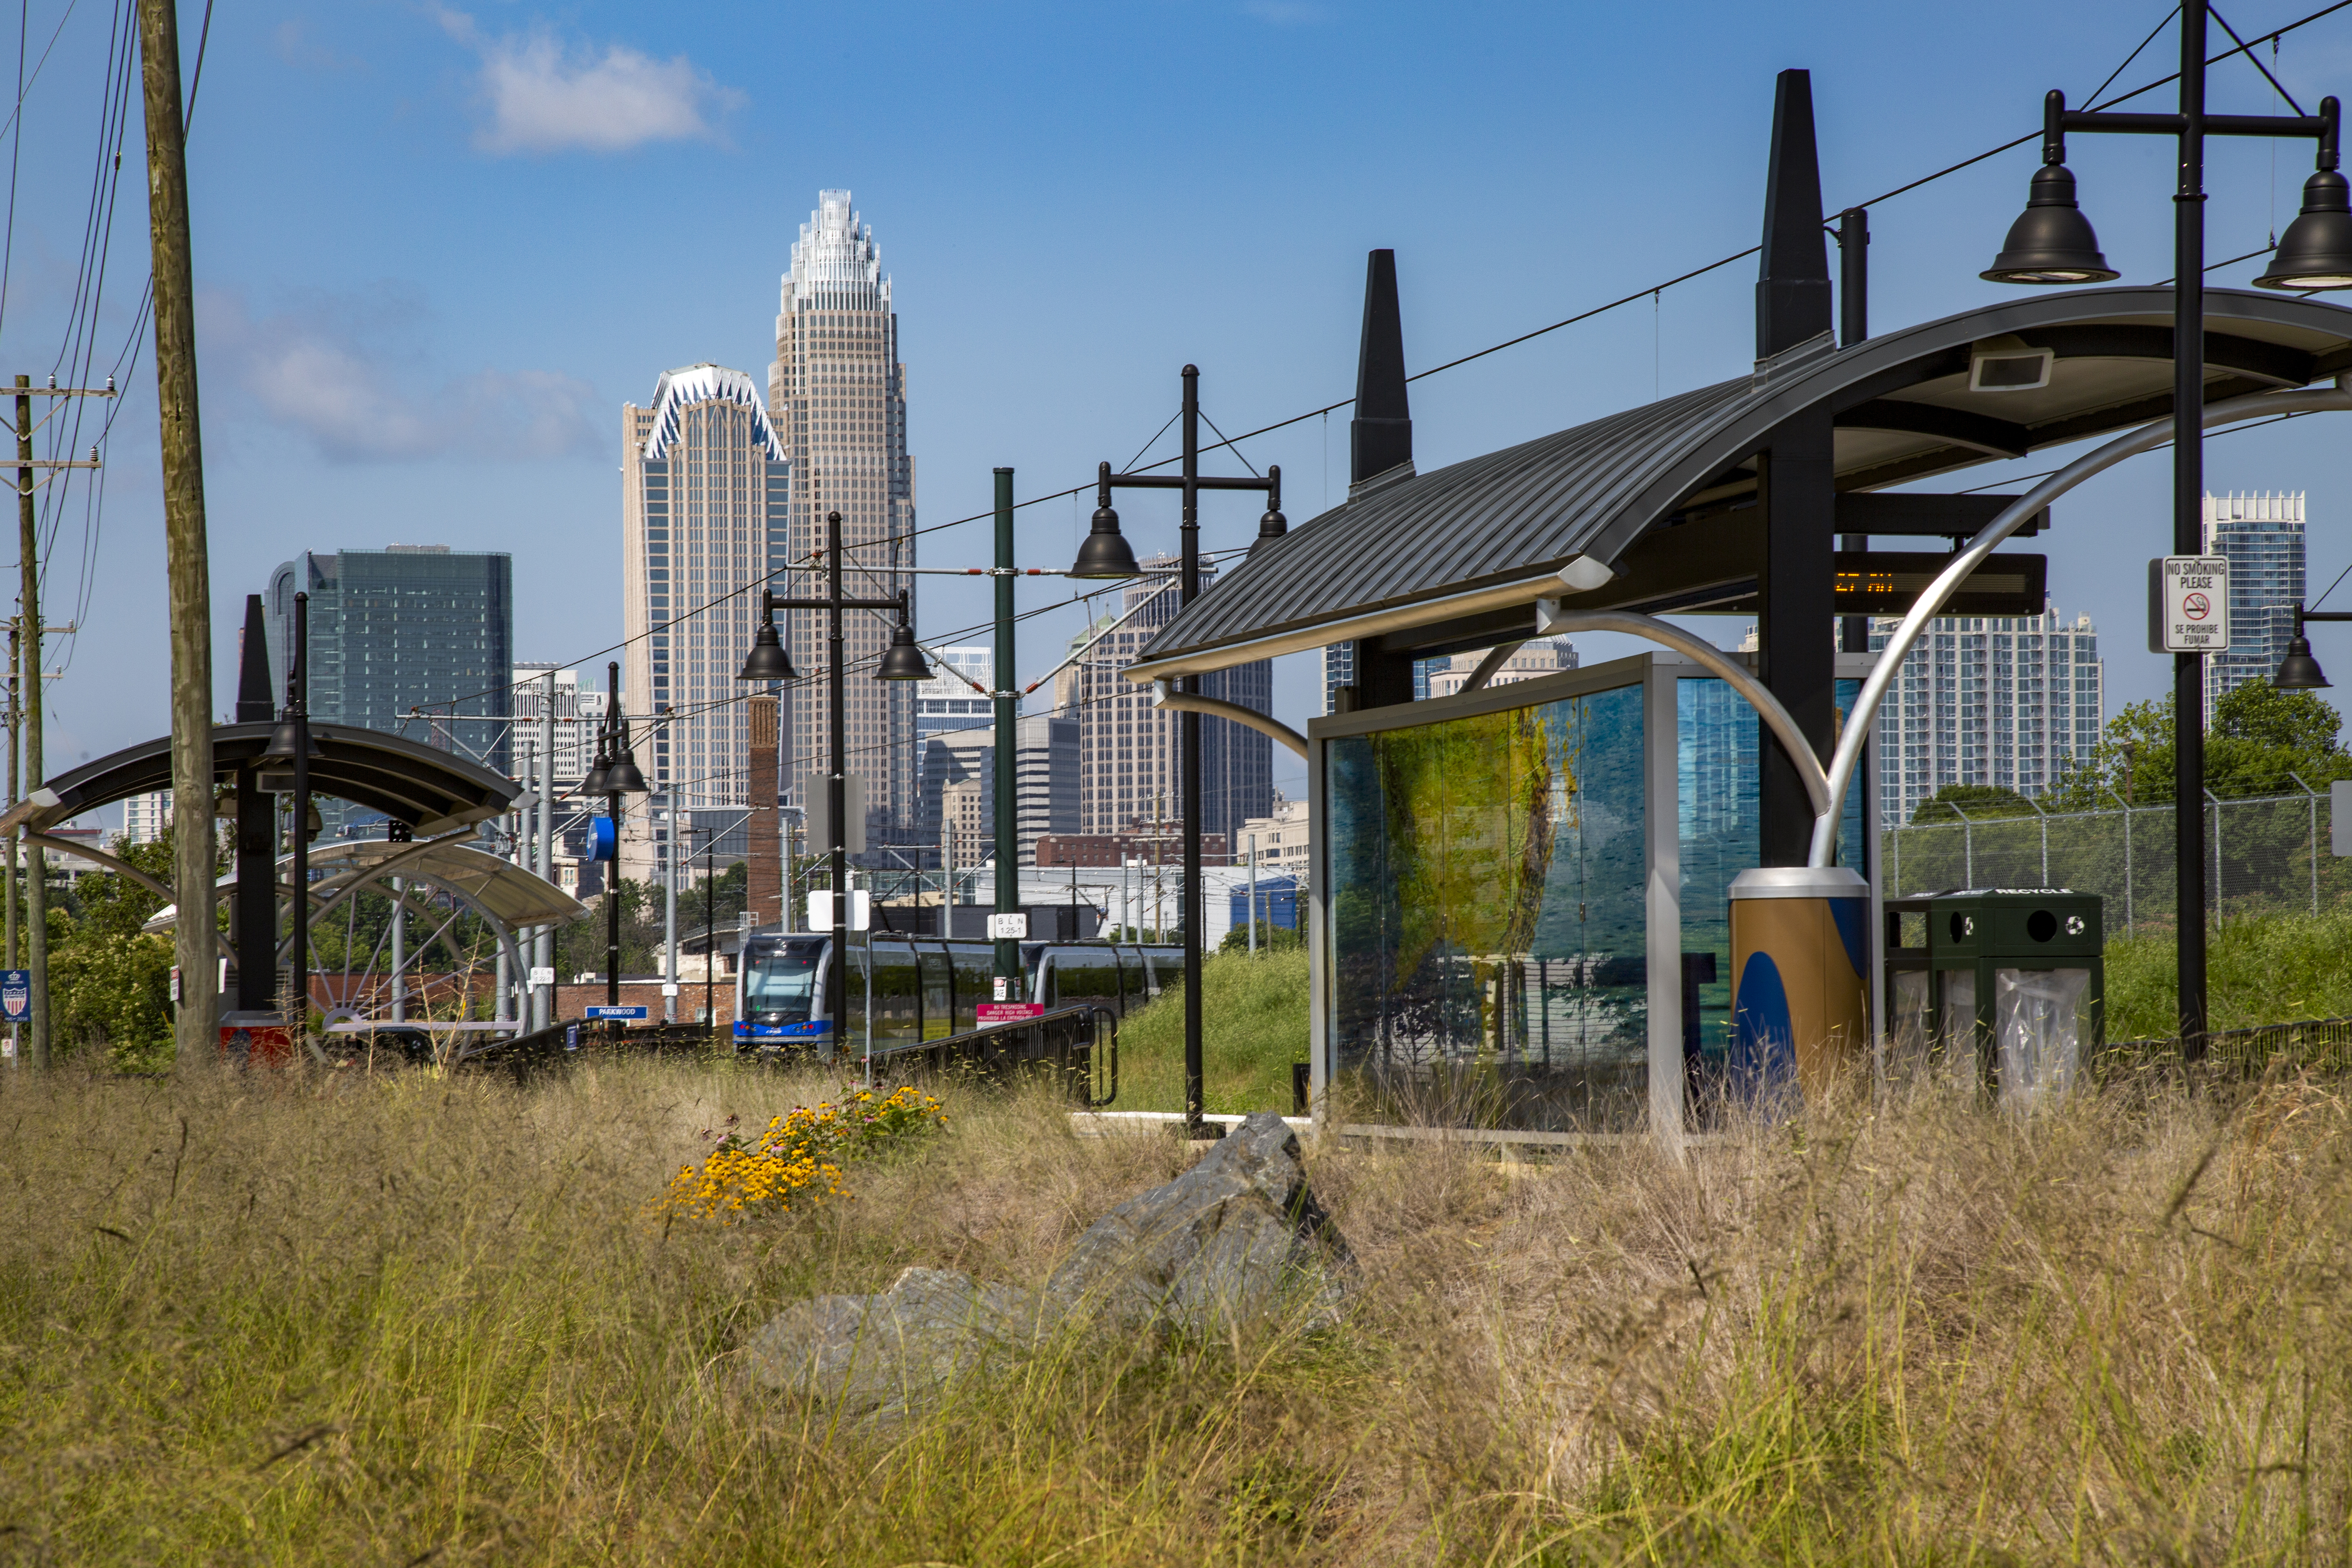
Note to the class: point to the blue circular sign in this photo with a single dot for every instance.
(604, 839)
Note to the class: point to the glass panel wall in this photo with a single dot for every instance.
(1487, 918)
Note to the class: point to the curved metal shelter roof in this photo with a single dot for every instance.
(500, 889)
(429, 789)
(1492, 530)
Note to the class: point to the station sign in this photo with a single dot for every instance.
(628, 1015)
(1013, 927)
(2188, 603)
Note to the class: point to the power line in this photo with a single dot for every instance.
(1646, 291)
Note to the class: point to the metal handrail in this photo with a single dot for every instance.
(987, 1031)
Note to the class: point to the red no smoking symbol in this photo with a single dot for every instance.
(2196, 606)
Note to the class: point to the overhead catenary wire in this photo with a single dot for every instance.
(1646, 291)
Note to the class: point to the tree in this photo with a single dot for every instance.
(1973, 802)
(109, 982)
(2262, 739)
(1271, 938)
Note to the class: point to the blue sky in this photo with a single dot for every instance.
(438, 248)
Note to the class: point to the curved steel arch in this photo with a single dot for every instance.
(409, 782)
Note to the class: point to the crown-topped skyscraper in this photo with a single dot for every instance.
(837, 393)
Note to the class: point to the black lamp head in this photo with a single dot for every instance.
(593, 781)
(2298, 671)
(2316, 251)
(767, 660)
(1106, 552)
(286, 741)
(902, 660)
(2050, 242)
(623, 777)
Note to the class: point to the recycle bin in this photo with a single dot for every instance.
(2002, 987)
(1799, 999)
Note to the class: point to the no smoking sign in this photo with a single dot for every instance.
(2188, 603)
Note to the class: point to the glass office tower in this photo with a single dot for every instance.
(412, 639)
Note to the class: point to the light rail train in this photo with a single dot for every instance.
(924, 988)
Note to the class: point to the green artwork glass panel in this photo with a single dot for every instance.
(1487, 918)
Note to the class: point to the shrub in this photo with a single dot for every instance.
(797, 1160)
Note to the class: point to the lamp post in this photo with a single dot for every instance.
(617, 774)
(2052, 243)
(769, 661)
(1105, 553)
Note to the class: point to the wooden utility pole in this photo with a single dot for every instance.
(187, 566)
(8, 957)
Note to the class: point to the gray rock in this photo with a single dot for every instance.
(1223, 1244)
(1219, 1245)
(887, 1352)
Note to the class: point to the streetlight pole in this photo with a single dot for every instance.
(1008, 754)
(2053, 243)
(615, 773)
(1105, 553)
(769, 661)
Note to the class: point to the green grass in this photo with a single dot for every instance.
(308, 1318)
(1253, 1026)
(2267, 969)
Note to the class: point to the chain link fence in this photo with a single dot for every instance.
(2267, 854)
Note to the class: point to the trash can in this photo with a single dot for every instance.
(256, 1040)
(2001, 987)
(1800, 958)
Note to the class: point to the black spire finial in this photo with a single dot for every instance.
(1792, 287)
(1380, 437)
(256, 696)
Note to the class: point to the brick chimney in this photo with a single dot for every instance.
(764, 868)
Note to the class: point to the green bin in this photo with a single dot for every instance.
(2005, 987)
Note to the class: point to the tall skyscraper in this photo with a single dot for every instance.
(414, 639)
(1126, 754)
(704, 486)
(578, 715)
(838, 395)
(2261, 536)
(1988, 700)
(947, 701)
(1044, 784)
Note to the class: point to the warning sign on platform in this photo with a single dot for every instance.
(2188, 603)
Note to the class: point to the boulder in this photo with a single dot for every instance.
(884, 1352)
(1221, 1245)
(1218, 1244)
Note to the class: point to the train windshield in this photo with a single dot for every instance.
(780, 982)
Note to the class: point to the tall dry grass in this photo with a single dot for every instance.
(295, 1320)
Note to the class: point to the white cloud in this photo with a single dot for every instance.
(548, 95)
(329, 370)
